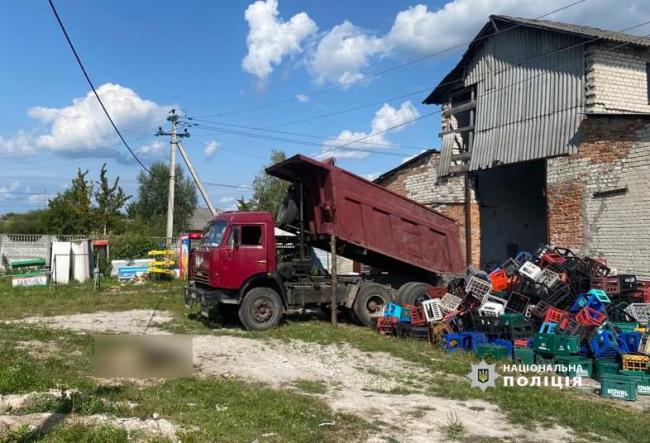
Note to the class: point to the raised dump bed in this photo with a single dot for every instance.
(375, 226)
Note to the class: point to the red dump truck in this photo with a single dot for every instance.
(240, 261)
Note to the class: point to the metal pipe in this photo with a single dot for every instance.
(468, 222)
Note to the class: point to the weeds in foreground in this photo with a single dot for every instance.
(454, 429)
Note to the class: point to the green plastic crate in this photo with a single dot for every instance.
(625, 326)
(512, 319)
(556, 344)
(524, 356)
(618, 386)
(544, 359)
(603, 366)
(583, 366)
(642, 381)
(493, 352)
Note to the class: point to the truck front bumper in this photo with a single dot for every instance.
(207, 298)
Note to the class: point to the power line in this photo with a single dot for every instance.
(304, 142)
(383, 71)
(299, 134)
(222, 185)
(92, 86)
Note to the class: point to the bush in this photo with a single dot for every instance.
(132, 245)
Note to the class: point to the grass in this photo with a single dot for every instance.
(252, 409)
(454, 429)
(207, 409)
(311, 386)
(524, 406)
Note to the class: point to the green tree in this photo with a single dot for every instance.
(110, 201)
(72, 212)
(269, 192)
(32, 222)
(151, 206)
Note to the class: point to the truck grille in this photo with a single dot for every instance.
(202, 278)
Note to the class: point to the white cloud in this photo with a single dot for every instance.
(371, 176)
(270, 38)
(210, 149)
(36, 199)
(345, 51)
(82, 127)
(6, 191)
(423, 31)
(386, 117)
(342, 54)
(155, 149)
(302, 98)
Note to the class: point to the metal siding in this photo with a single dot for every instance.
(524, 112)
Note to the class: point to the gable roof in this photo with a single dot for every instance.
(404, 165)
(501, 23)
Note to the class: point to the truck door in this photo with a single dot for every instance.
(245, 254)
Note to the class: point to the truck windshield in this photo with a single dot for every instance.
(214, 233)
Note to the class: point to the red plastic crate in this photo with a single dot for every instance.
(385, 325)
(555, 315)
(417, 316)
(500, 281)
(551, 258)
(590, 317)
(611, 285)
(436, 292)
(521, 342)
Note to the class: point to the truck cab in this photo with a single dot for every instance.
(235, 247)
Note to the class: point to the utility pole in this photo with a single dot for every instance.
(173, 119)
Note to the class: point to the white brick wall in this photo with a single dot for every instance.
(424, 187)
(616, 79)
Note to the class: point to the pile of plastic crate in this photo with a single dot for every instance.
(550, 307)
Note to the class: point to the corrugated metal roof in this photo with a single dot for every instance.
(579, 30)
(497, 24)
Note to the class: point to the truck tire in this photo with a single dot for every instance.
(399, 295)
(261, 309)
(415, 294)
(368, 304)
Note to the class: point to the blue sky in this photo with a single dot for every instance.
(208, 58)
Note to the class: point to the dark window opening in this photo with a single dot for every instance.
(647, 78)
(251, 235)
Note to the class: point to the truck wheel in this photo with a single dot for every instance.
(415, 294)
(261, 309)
(368, 304)
(399, 295)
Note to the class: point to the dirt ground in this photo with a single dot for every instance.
(355, 382)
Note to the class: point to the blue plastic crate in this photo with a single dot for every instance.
(473, 340)
(523, 256)
(600, 295)
(628, 342)
(595, 303)
(603, 343)
(548, 327)
(393, 310)
(452, 341)
(579, 303)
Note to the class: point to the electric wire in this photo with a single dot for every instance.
(92, 86)
(438, 111)
(383, 71)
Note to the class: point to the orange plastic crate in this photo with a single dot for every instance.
(500, 281)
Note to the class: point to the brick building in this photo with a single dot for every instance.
(545, 139)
